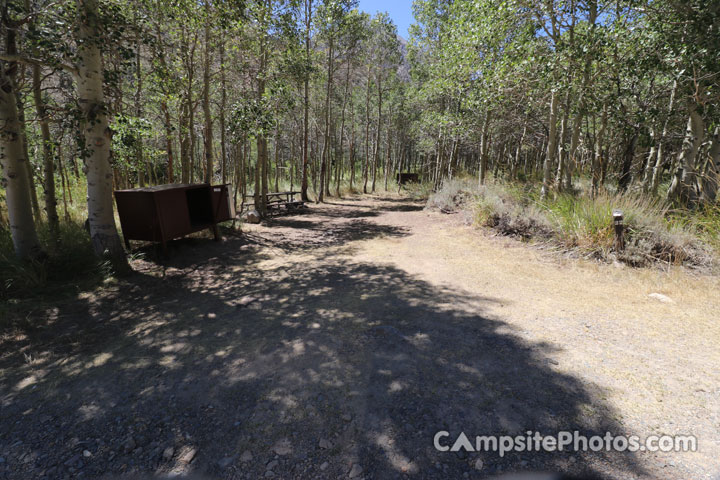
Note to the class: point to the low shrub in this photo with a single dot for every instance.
(418, 191)
(452, 195)
(70, 261)
(511, 212)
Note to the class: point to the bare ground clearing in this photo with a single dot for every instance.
(337, 342)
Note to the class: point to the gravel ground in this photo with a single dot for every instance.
(337, 342)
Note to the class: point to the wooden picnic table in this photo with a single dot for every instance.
(276, 200)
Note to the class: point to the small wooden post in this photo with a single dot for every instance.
(618, 221)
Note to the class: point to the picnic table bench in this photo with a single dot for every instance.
(277, 200)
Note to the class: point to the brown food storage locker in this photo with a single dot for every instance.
(165, 212)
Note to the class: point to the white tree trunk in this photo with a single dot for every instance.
(306, 104)
(552, 145)
(15, 173)
(574, 143)
(684, 186)
(597, 159)
(484, 143)
(48, 163)
(658, 167)
(95, 129)
(208, 139)
(562, 151)
(710, 185)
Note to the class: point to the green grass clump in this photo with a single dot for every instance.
(583, 222)
(586, 222)
(705, 221)
(418, 191)
(65, 265)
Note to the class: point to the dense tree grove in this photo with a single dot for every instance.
(315, 95)
(619, 90)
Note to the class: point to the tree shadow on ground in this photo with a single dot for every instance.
(356, 211)
(388, 204)
(299, 361)
(297, 235)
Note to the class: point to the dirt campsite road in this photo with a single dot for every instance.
(336, 343)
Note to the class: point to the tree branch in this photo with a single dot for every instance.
(39, 63)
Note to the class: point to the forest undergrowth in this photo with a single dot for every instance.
(576, 222)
